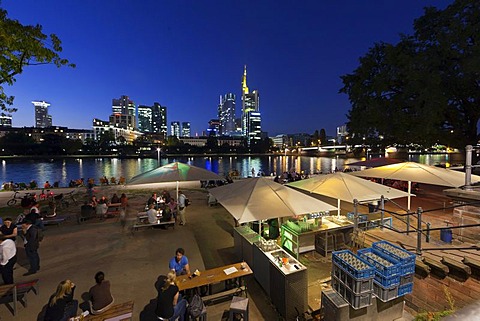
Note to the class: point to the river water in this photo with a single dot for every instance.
(64, 170)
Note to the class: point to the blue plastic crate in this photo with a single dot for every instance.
(387, 281)
(399, 254)
(383, 263)
(405, 289)
(407, 268)
(353, 264)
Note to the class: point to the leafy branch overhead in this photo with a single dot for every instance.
(22, 46)
(426, 88)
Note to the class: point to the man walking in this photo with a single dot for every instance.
(32, 243)
(8, 258)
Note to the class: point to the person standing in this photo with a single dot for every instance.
(8, 258)
(8, 229)
(32, 244)
(123, 209)
(61, 305)
(182, 207)
(179, 263)
(100, 295)
(170, 304)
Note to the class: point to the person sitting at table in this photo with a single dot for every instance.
(100, 297)
(179, 263)
(101, 209)
(61, 305)
(8, 230)
(170, 304)
(152, 200)
(166, 214)
(152, 214)
(166, 196)
(115, 199)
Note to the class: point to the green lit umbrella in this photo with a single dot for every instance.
(174, 172)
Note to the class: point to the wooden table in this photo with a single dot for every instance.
(118, 312)
(214, 276)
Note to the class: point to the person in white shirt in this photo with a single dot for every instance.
(8, 258)
(152, 214)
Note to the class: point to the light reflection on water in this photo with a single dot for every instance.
(64, 170)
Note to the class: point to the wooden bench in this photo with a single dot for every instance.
(54, 220)
(11, 293)
(113, 209)
(118, 312)
(139, 225)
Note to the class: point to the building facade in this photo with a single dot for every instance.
(251, 117)
(42, 118)
(159, 119)
(175, 129)
(145, 120)
(5, 120)
(124, 113)
(226, 114)
(186, 131)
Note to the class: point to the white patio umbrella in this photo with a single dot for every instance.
(420, 173)
(345, 187)
(256, 199)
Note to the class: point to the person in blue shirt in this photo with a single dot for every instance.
(179, 263)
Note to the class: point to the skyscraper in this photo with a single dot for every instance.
(251, 117)
(159, 119)
(186, 129)
(124, 113)
(226, 114)
(145, 119)
(175, 129)
(42, 118)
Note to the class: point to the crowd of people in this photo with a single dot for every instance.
(167, 206)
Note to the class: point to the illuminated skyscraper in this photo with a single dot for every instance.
(251, 117)
(6, 120)
(159, 119)
(124, 113)
(186, 129)
(175, 129)
(42, 118)
(226, 114)
(144, 119)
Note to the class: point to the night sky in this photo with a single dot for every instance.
(185, 54)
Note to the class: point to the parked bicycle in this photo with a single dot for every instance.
(24, 200)
(70, 196)
(46, 196)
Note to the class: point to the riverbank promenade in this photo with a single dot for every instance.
(132, 262)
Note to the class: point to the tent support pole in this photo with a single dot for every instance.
(408, 205)
(382, 211)
(338, 208)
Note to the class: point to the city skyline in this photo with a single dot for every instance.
(184, 55)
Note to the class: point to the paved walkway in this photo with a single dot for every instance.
(132, 263)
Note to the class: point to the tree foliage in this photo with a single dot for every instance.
(426, 88)
(22, 46)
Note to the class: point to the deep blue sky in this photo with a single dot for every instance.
(184, 54)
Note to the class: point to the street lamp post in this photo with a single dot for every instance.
(158, 156)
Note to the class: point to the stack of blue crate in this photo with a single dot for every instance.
(352, 278)
(405, 259)
(387, 273)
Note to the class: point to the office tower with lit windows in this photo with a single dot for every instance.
(124, 113)
(42, 118)
(186, 129)
(5, 120)
(226, 114)
(251, 117)
(159, 119)
(144, 119)
(175, 129)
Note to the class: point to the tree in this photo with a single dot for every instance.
(426, 88)
(23, 46)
